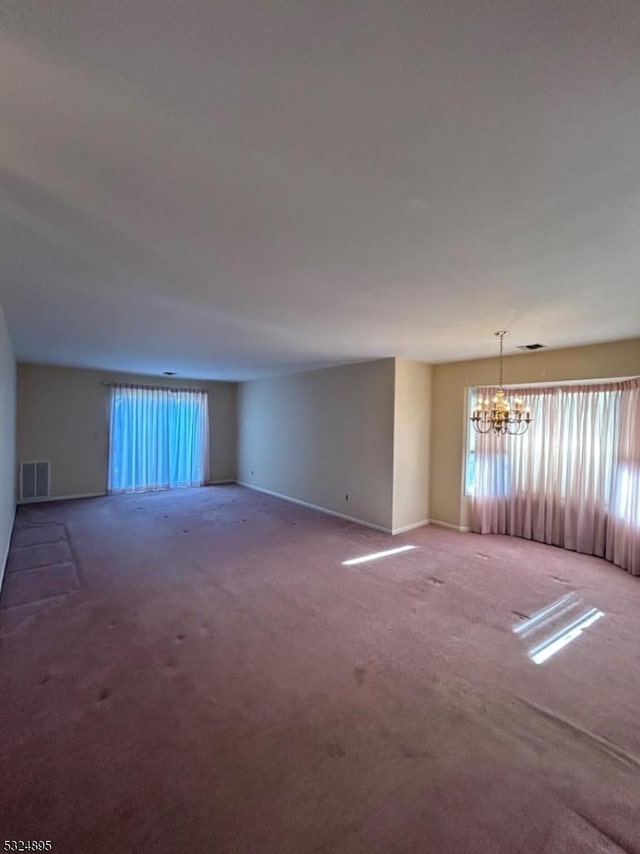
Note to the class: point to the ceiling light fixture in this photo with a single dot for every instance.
(499, 414)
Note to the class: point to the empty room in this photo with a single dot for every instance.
(319, 427)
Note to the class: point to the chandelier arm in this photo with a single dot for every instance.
(519, 427)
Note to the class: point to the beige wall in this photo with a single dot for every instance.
(62, 417)
(7, 441)
(411, 443)
(449, 425)
(321, 435)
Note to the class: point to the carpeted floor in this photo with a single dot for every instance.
(198, 672)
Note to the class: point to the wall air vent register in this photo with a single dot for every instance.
(35, 480)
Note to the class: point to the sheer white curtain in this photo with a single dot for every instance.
(158, 438)
(573, 479)
(623, 530)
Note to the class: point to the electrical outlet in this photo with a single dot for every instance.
(346, 498)
(252, 472)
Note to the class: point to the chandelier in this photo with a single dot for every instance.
(499, 414)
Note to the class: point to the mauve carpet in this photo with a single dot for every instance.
(198, 672)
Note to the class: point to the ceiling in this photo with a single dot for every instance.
(236, 189)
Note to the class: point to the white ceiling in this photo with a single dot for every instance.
(230, 189)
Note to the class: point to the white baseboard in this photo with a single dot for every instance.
(411, 527)
(461, 528)
(5, 558)
(316, 507)
(63, 498)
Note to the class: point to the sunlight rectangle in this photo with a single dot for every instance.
(553, 610)
(551, 647)
(377, 555)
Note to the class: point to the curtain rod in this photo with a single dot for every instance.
(152, 387)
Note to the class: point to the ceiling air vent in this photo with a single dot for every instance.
(525, 347)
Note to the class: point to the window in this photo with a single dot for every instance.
(158, 438)
(626, 505)
(573, 479)
(470, 456)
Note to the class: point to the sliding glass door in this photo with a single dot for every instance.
(158, 438)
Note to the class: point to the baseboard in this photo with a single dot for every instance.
(219, 482)
(461, 528)
(411, 527)
(316, 507)
(63, 498)
(5, 558)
